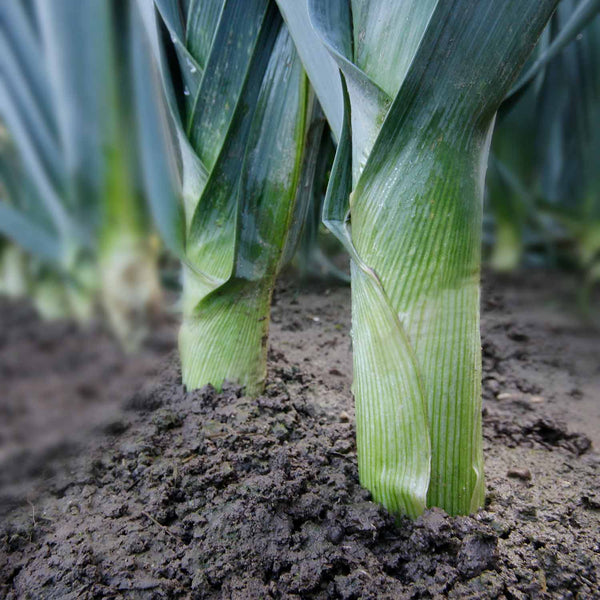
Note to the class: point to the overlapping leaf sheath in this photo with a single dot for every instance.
(241, 113)
(424, 80)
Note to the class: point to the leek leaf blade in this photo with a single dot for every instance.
(157, 148)
(317, 60)
(33, 238)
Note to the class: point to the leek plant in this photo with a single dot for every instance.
(245, 131)
(23, 273)
(511, 183)
(317, 245)
(30, 269)
(568, 138)
(421, 82)
(65, 100)
(540, 144)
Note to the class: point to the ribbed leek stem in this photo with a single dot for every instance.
(422, 238)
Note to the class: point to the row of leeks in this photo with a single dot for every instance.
(14, 264)
(22, 274)
(78, 207)
(410, 90)
(235, 150)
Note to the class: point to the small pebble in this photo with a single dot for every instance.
(335, 534)
(591, 501)
(519, 473)
(344, 417)
(492, 385)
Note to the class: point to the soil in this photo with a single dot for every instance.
(116, 483)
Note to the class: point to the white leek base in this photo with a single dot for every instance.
(131, 292)
(508, 249)
(224, 338)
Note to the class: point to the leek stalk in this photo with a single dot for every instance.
(246, 131)
(568, 137)
(424, 80)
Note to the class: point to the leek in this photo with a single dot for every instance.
(317, 244)
(423, 82)
(528, 141)
(246, 134)
(65, 101)
(568, 139)
(544, 169)
(50, 298)
(511, 183)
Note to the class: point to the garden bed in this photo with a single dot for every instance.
(118, 484)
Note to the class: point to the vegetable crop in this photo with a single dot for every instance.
(243, 112)
(64, 98)
(422, 83)
(245, 131)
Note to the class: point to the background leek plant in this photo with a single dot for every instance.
(317, 248)
(510, 183)
(543, 177)
(568, 137)
(423, 81)
(33, 274)
(247, 133)
(23, 273)
(65, 100)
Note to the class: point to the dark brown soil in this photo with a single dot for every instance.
(59, 385)
(170, 494)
